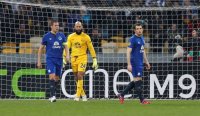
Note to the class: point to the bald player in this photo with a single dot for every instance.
(79, 42)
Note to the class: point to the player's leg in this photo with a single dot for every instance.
(52, 84)
(74, 66)
(76, 79)
(81, 72)
(138, 87)
(75, 76)
(138, 84)
(80, 90)
(128, 88)
(58, 73)
(51, 72)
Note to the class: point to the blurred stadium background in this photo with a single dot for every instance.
(109, 24)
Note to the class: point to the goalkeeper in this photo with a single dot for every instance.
(79, 42)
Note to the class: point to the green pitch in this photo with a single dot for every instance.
(98, 108)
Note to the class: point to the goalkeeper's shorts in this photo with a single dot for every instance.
(79, 63)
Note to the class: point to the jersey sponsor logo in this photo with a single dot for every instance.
(49, 71)
(77, 45)
(56, 45)
(49, 38)
(138, 74)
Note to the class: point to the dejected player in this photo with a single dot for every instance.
(53, 41)
(79, 42)
(135, 57)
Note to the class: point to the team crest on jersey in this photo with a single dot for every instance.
(59, 38)
(82, 40)
(56, 45)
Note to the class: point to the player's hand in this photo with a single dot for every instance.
(95, 65)
(65, 61)
(129, 67)
(148, 66)
(39, 65)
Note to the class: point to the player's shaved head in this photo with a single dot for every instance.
(78, 23)
(78, 27)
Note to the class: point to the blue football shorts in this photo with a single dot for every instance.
(137, 71)
(54, 66)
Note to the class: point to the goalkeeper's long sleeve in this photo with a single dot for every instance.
(91, 49)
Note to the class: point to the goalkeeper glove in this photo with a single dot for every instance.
(64, 62)
(95, 65)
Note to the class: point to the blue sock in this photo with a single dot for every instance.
(52, 87)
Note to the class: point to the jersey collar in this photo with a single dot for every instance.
(53, 33)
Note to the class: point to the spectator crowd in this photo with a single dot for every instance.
(20, 22)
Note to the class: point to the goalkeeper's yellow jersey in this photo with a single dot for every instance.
(79, 44)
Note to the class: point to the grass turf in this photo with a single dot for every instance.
(99, 108)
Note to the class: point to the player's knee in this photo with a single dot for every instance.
(76, 78)
(137, 79)
(52, 76)
(56, 78)
(80, 75)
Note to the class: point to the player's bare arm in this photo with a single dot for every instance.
(148, 66)
(39, 64)
(129, 67)
(67, 54)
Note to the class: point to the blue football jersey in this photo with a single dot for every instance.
(137, 45)
(54, 44)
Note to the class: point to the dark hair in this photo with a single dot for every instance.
(53, 21)
(137, 24)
